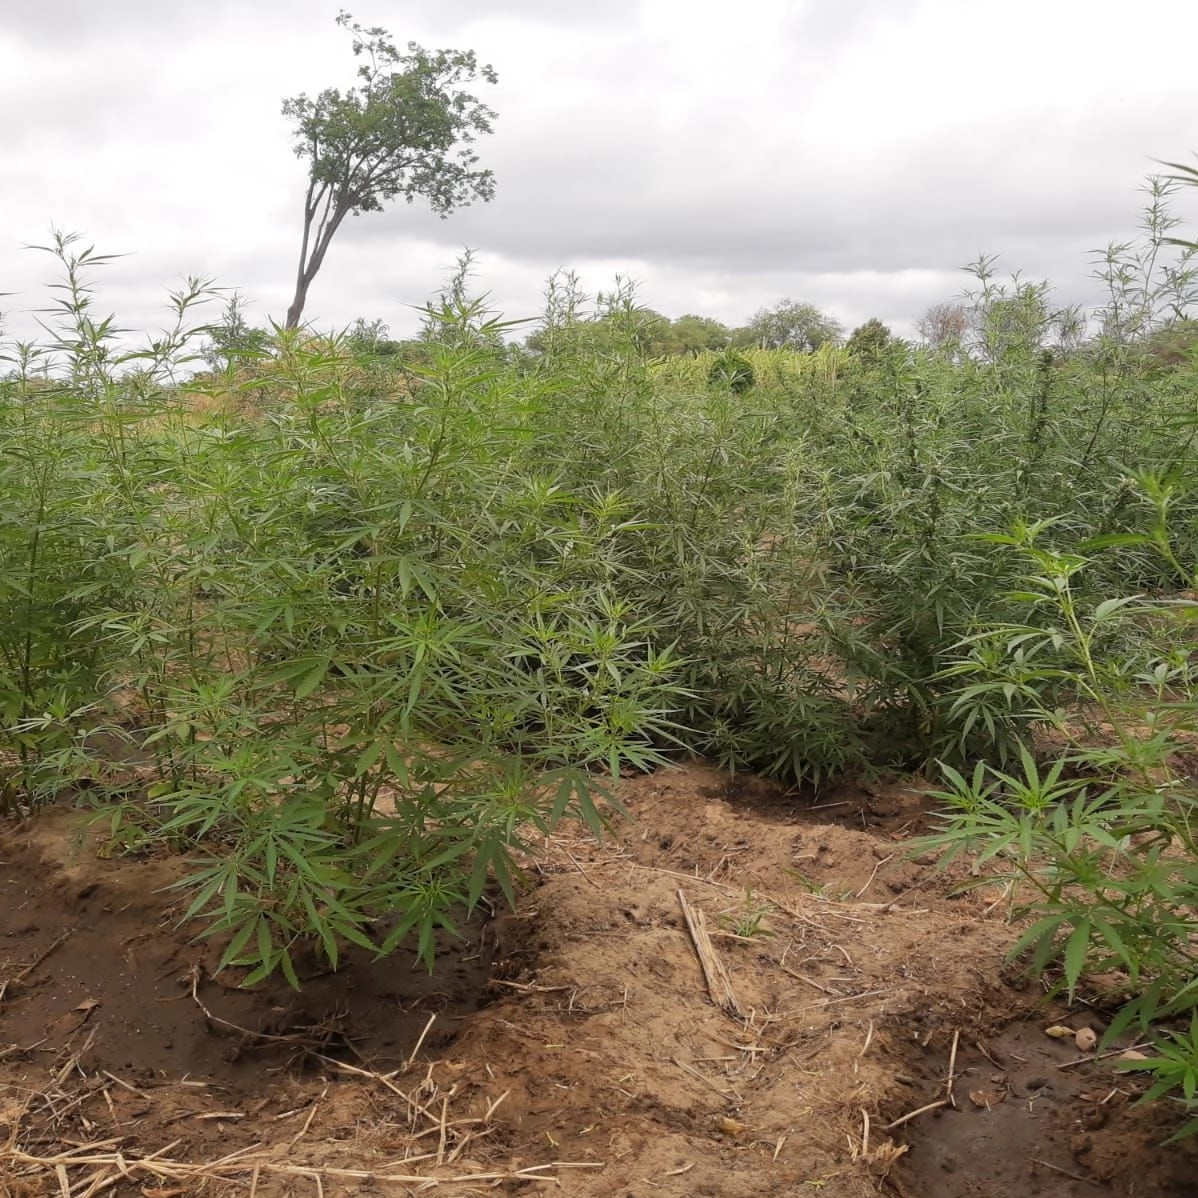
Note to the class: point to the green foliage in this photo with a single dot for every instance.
(412, 606)
(1172, 345)
(617, 322)
(1102, 835)
(868, 342)
(1174, 1071)
(691, 334)
(371, 339)
(406, 131)
(790, 325)
(1153, 280)
(74, 470)
(234, 341)
(362, 644)
(749, 921)
(732, 370)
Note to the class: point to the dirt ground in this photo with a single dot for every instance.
(859, 1033)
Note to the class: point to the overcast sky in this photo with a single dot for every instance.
(851, 153)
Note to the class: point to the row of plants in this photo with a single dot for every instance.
(346, 627)
(351, 644)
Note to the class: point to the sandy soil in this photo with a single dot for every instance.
(860, 1032)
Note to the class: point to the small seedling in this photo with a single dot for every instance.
(749, 922)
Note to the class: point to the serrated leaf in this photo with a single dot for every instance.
(313, 678)
(1077, 949)
(1109, 606)
(232, 954)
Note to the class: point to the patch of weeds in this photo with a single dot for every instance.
(749, 921)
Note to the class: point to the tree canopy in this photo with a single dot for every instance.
(692, 334)
(869, 341)
(790, 325)
(943, 327)
(405, 131)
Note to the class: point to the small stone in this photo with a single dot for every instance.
(987, 1097)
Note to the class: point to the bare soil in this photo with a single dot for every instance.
(861, 1033)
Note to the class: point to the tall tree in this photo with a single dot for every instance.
(790, 325)
(869, 341)
(691, 334)
(943, 327)
(405, 131)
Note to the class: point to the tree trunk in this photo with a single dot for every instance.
(297, 304)
(310, 264)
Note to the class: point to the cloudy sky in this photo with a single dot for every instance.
(851, 153)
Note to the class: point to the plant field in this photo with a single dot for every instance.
(374, 663)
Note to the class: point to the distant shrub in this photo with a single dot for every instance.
(868, 343)
(733, 371)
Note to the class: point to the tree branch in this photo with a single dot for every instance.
(395, 135)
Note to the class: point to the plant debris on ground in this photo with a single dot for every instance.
(865, 1037)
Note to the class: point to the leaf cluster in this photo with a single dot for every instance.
(405, 130)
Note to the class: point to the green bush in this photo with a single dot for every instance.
(369, 626)
(1095, 836)
(731, 370)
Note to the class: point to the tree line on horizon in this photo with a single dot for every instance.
(981, 325)
(408, 129)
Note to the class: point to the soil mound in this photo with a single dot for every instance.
(736, 994)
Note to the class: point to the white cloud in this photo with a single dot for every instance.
(855, 154)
